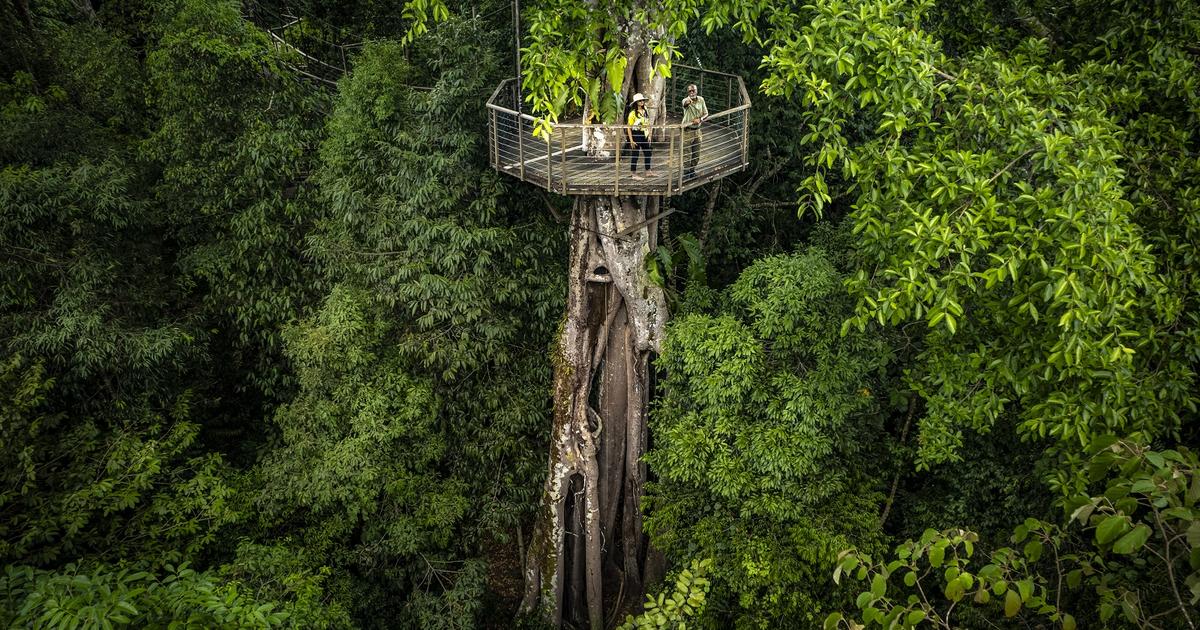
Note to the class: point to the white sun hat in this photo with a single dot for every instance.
(638, 97)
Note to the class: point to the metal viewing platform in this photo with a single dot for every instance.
(579, 159)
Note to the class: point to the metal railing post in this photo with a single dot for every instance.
(674, 94)
(521, 145)
(495, 152)
(682, 153)
(562, 147)
(745, 137)
(671, 157)
(617, 164)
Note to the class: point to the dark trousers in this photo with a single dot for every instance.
(691, 150)
(640, 145)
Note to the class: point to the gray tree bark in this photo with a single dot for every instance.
(614, 320)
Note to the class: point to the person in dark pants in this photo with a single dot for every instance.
(694, 113)
(636, 133)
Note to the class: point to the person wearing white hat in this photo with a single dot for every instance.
(639, 143)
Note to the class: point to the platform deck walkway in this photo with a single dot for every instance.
(578, 159)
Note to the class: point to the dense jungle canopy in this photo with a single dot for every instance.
(277, 346)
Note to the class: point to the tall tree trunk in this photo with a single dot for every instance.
(614, 321)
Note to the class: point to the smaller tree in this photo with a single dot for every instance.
(764, 424)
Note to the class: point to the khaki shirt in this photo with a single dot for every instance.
(697, 109)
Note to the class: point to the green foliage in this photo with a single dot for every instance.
(454, 267)
(283, 573)
(82, 288)
(574, 53)
(1016, 203)
(989, 197)
(421, 375)
(757, 405)
(234, 140)
(360, 440)
(1146, 532)
(1044, 266)
(415, 216)
(674, 606)
(1001, 480)
(120, 147)
(106, 597)
(101, 409)
(1138, 553)
(420, 13)
(667, 264)
(162, 220)
(84, 487)
(939, 567)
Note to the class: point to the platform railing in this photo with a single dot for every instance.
(599, 159)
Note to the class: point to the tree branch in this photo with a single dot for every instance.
(940, 73)
(711, 205)
(912, 408)
(1170, 569)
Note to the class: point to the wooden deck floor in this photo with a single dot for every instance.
(569, 170)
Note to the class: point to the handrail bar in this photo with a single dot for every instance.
(704, 70)
(531, 118)
(575, 125)
(743, 95)
(677, 65)
(497, 93)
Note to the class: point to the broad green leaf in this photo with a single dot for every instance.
(1193, 534)
(1033, 550)
(1110, 528)
(1133, 540)
(1012, 603)
(936, 555)
(878, 585)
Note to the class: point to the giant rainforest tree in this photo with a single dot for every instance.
(588, 532)
(591, 58)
